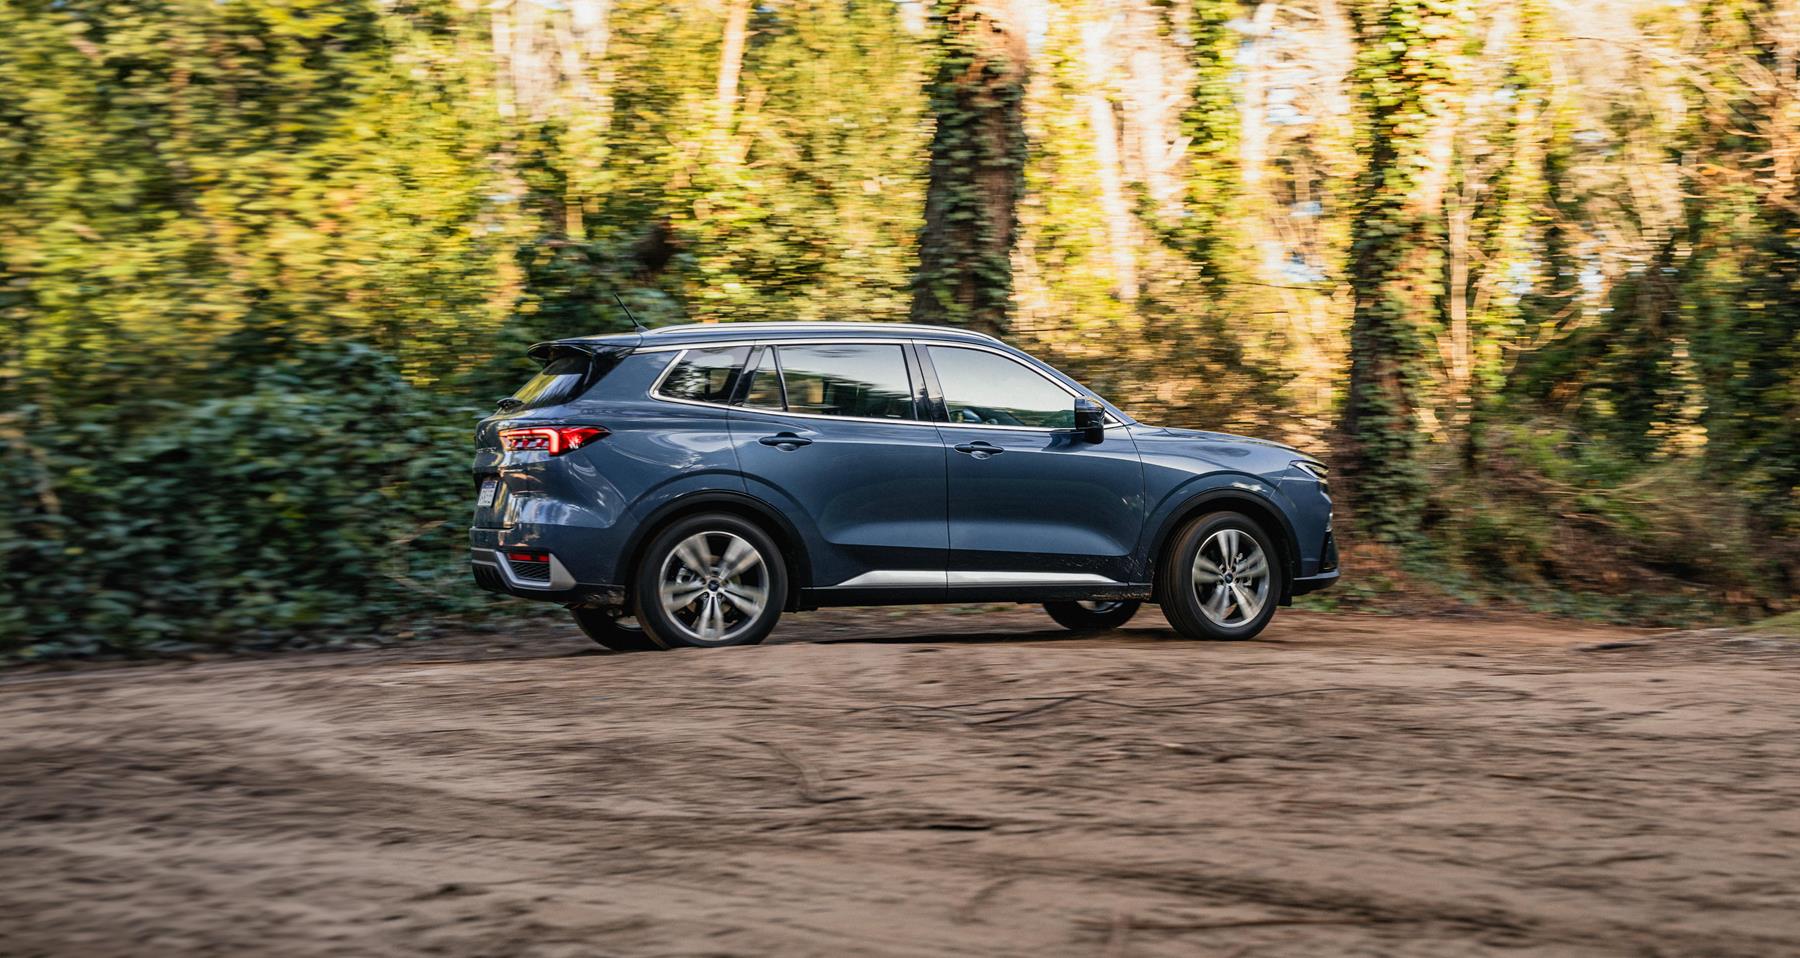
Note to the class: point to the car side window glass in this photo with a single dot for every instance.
(864, 380)
(983, 388)
(705, 375)
(764, 391)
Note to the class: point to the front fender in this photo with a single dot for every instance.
(1209, 492)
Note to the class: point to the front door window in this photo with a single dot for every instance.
(983, 388)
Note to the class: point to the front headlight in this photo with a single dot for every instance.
(1317, 470)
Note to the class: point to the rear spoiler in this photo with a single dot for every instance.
(593, 349)
(601, 357)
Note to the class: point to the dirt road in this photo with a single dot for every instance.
(919, 784)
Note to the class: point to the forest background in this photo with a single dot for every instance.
(1527, 273)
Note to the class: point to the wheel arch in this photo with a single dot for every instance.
(744, 506)
(1258, 509)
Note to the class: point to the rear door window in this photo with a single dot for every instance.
(705, 375)
(859, 380)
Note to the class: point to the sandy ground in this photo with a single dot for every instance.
(917, 783)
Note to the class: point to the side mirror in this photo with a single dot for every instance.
(1090, 419)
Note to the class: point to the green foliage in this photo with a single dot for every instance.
(805, 206)
(1209, 230)
(330, 494)
(257, 257)
(185, 181)
(1745, 223)
(1404, 79)
(978, 151)
(1550, 500)
(1785, 626)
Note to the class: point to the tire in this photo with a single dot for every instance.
(1096, 616)
(724, 607)
(620, 633)
(1207, 595)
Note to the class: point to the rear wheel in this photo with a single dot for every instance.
(1221, 578)
(1095, 616)
(611, 630)
(710, 581)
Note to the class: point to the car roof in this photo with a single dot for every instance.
(711, 332)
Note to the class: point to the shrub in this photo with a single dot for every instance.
(330, 494)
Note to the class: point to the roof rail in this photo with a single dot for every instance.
(780, 325)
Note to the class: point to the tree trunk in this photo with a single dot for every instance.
(1404, 82)
(1253, 132)
(1097, 58)
(1154, 81)
(731, 62)
(977, 166)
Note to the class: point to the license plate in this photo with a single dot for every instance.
(489, 490)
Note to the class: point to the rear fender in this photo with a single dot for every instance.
(786, 535)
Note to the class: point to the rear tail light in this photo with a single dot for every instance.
(554, 440)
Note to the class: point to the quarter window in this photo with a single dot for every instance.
(983, 388)
(706, 375)
(864, 380)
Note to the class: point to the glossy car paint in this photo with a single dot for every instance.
(1051, 502)
(869, 495)
(1054, 516)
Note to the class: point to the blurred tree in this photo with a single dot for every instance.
(187, 182)
(1743, 290)
(1406, 80)
(259, 254)
(977, 164)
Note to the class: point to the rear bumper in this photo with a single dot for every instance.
(494, 573)
(1314, 583)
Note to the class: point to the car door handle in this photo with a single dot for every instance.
(786, 440)
(979, 449)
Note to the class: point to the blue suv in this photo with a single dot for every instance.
(687, 485)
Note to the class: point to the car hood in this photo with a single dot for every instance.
(1202, 435)
(1242, 453)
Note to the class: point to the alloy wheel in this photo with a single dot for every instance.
(1231, 578)
(714, 586)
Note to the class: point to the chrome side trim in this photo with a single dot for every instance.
(893, 579)
(1111, 424)
(967, 579)
(921, 579)
(655, 391)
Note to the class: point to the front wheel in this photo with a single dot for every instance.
(1220, 580)
(1096, 616)
(710, 581)
(610, 630)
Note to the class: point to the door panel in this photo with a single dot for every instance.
(1025, 499)
(868, 480)
(1050, 502)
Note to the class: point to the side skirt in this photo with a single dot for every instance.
(942, 595)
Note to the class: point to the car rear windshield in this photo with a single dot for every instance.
(565, 377)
